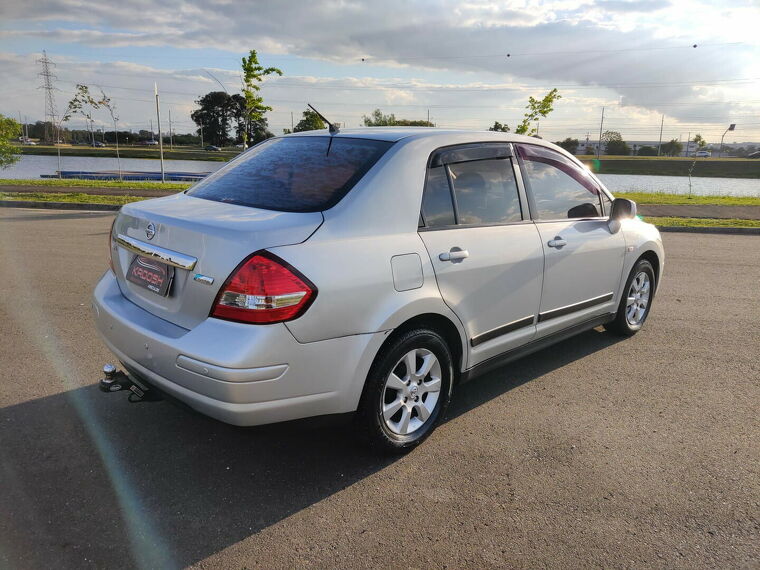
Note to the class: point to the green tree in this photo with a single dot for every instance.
(9, 130)
(310, 122)
(570, 145)
(700, 141)
(672, 148)
(378, 119)
(83, 103)
(217, 110)
(537, 108)
(247, 131)
(647, 151)
(614, 144)
(499, 128)
(253, 74)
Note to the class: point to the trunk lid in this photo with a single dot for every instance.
(217, 234)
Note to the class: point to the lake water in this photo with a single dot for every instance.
(680, 185)
(31, 166)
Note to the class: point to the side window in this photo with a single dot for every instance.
(486, 192)
(560, 188)
(437, 208)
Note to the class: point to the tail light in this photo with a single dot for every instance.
(264, 289)
(110, 244)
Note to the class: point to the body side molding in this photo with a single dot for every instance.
(561, 311)
(504, 329)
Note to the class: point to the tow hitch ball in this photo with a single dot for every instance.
(115, 381)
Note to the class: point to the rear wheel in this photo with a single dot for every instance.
(637, 300)
(407, 391)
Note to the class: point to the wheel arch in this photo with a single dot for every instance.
(651, 256)
(440, 324)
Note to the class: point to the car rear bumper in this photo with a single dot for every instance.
(237, 373)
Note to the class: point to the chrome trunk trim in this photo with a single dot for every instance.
(173, 258)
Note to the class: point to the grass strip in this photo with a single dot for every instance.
(152, 153)
(702, 222)
(680, 199)
(79, 183)
(75, 197)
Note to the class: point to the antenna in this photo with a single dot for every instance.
(48, 77)
(333, 128)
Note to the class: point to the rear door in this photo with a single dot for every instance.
(486, 252)
(583, 259)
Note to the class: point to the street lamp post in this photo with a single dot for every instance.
(731, 127)
(160, 140)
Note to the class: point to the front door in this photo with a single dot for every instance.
(487, 256)
(583, 259)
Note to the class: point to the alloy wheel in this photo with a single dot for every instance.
(411, 392)
(638, 298)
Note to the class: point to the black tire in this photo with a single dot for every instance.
(621, 324)
(370, 423)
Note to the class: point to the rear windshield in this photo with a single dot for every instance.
(293, 174)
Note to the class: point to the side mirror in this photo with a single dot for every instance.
(622, 209)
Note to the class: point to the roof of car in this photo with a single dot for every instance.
(394, 134)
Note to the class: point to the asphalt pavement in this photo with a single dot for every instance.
(641, 452)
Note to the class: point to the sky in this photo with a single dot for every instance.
(466, 63)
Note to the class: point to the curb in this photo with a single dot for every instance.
(115, 208)
(59, 205)
(711, 230)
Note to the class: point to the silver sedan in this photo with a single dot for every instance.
(367, 271)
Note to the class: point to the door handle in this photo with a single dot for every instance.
(454, 255)
(557, 242)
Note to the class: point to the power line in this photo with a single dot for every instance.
(553, 53)
(515, 87)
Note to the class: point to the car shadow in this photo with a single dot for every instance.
(87, 478)
(484, 388)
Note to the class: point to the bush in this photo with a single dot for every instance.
(647, 151)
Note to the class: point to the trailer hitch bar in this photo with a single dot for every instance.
(116, 381)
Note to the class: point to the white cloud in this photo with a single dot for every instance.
(639, 50)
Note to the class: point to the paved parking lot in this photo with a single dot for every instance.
(597, 452)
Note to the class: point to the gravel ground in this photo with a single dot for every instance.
(596, 452)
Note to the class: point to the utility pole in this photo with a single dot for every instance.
(292, 127)
(428, 116)
(201, 134)
(160, 140)
(171, 135)
(47, 84)
(599, 146)
(151, 130)
(659, 145)
(24, 133)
